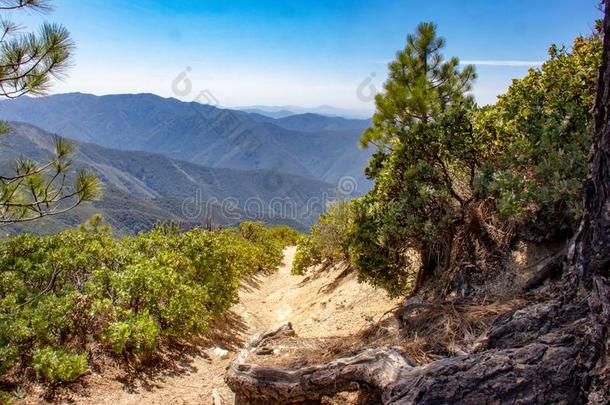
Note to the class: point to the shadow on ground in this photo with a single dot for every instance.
(177, 358)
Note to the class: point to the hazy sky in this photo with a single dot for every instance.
(297, 52)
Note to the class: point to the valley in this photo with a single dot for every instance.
(142, 189)
(308, 145)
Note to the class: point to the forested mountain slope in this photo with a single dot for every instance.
(143, 188)
(310, 145)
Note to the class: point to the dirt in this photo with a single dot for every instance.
(327, 303)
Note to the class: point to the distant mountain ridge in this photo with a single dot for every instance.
(309, 122)
(144, 188)
(287, 110)
(267, 113)
(308, 145)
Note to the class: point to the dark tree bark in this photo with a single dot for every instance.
(549, 352)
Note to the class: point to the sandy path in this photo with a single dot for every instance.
(329, 303)
(260, 304)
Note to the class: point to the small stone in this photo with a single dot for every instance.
(221, 353)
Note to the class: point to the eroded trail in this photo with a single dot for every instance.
(261, 303)
(327, 303)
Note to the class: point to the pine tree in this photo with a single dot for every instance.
(28, 63)
(424, 167)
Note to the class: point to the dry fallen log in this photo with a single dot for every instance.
(554, 351)
(253, 384)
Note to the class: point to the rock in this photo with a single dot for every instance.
(221, 353)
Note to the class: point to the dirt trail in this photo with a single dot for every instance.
(260, 305)
(328, 303)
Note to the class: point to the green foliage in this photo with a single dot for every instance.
(541, 130)
(330, 233)
(439, 158)
(267, 243)
(421, 85)
(35, 190)
(28, 62)
(137, 334)
(329, 240)
(427, 156)
(85, 285)
(6, 398)
(59, 365)
(31, 60)
(306, 256)
(286, 235)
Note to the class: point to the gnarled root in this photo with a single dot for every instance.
(372, 369)
(555, 365)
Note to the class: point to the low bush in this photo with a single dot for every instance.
(82, 285)
(137, 334)
(266, 243)
(284, 234)
(60, 365)
(306, 256)
(541, 130)
(329, 239)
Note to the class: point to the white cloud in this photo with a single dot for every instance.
(520, 63)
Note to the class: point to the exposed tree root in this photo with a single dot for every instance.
(373, 369)
(553, 367)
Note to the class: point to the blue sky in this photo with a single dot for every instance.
(304, 53)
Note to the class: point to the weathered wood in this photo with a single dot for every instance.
(373, 368)
(216, 398)
(554, 367)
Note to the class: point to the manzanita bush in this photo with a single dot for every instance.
(439, 156)
(61, 292)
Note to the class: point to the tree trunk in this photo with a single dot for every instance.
(554, 351)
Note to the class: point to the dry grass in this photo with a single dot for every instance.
(295, 352)
(427, 334)
(448, 329)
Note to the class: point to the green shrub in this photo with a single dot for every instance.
(137, 334)
(306, 256)
(286, 235)
(541, 128)
(85, 285)
(6, 398)
(268, 249)
(330, 234)
(59, 364)
(329, 239)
